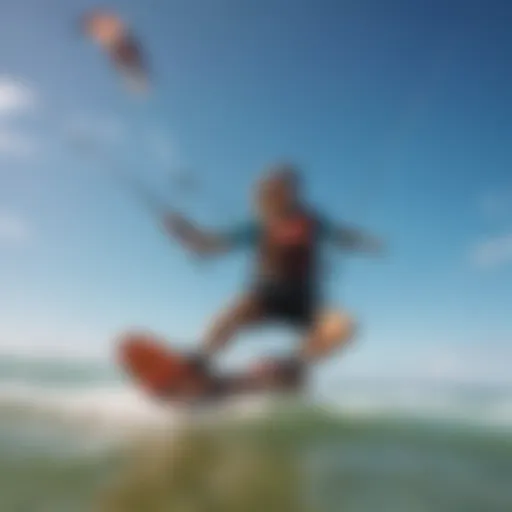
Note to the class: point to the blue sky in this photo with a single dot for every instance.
(399, 113)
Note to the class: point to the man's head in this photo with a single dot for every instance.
(278, 191)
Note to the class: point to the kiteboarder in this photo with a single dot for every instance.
(286, 235)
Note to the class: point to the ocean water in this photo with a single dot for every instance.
(75, 436)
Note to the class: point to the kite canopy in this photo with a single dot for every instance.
(114, 37)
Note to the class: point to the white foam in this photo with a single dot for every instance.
(101, 411)
(117, 412)
(113, 414)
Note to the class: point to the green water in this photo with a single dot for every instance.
(308, 462)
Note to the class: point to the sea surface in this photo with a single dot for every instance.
(76, 436)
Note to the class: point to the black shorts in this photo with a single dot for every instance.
(295, 303)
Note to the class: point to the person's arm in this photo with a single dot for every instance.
(349, 238)
(204, 242)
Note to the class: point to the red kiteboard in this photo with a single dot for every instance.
(157, 368)
(163, 372)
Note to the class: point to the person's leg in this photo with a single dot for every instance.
(330, 331)
(324, 332)
(246, 311)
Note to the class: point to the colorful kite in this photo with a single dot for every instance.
(112, 35)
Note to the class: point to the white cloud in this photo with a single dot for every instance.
(13, 230)
(493, 252)
(15, 96)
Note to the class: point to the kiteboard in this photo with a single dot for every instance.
(166, 373)
(157, 368)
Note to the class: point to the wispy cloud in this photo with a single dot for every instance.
(493, 252)
(14, 230)
(15, 96)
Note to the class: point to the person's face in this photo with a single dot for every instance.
(275, 199)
